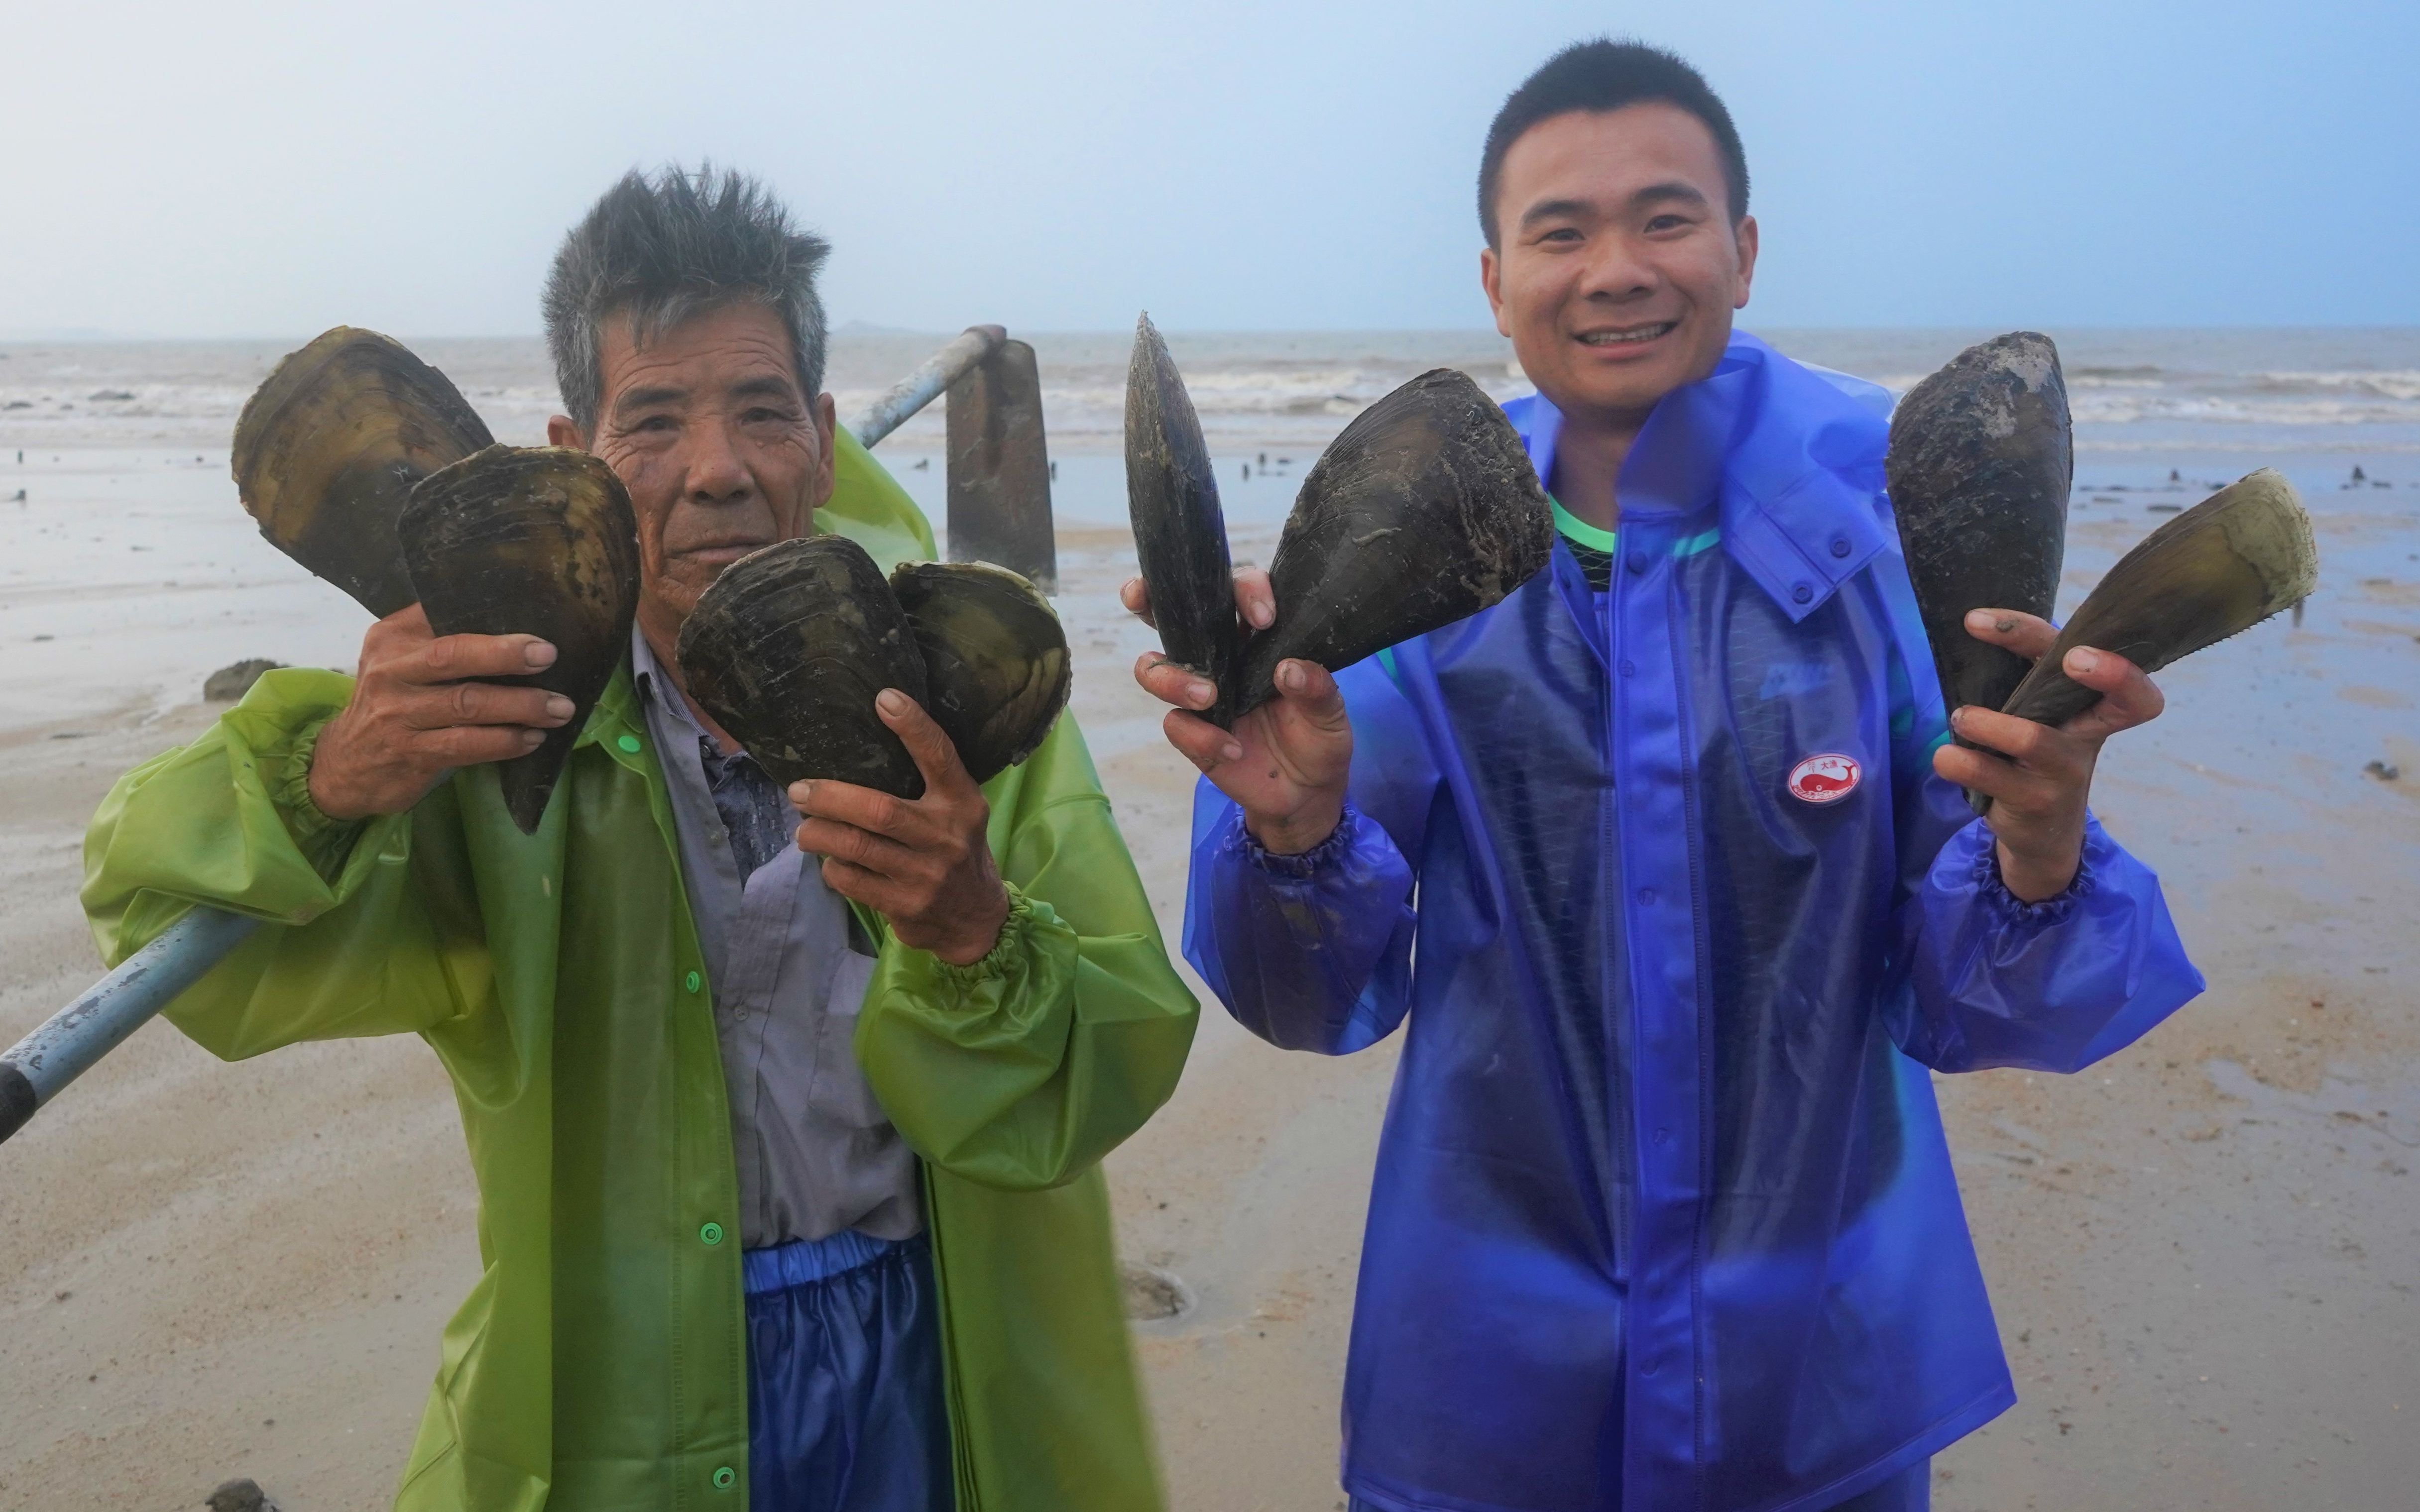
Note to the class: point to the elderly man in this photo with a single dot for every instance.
(788, 1172)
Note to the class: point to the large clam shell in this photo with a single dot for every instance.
(788, 649)
(1979, 462)
(1424, 510)
(2216, 570)
(997, 669)
(327, 452)
(531, 541)
(1180, 535)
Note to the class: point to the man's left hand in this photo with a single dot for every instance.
(922, 863)
(2037, 795)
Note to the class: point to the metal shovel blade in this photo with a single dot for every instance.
(1000, 469)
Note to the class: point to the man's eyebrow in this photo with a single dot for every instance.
(1554, 209)
(632, 400)
(1671, 188)
(765, 385)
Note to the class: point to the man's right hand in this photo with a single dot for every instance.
(1284, 764)
(418, 712)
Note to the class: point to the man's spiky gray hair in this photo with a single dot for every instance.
(659, 251)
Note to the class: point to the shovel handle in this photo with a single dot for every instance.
(67, 1043)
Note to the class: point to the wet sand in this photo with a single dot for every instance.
(2203, 1252)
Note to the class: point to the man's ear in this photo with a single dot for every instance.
(1745, 236)
(1491, 279)
(560, 431)
(827, 424)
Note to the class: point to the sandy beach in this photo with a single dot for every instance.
(2204, 1254)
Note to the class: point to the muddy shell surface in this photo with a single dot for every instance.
(540, 540)
(2216, 570)
(327, 450)
(1424, 510)
(1980, 459)
(788, 650)
(1173, 501)
(996, 668)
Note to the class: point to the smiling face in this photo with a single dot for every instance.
(722, 452)
(1619, 266)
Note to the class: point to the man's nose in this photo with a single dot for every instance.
(717, 473)
(1616, 271)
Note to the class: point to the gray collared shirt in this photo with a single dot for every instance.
(789, 968)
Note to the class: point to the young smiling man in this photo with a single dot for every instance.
(789, 1187)
(1665, 862)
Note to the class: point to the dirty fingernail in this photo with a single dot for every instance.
(2081, 660)
(801, 793)
(1977, 620)
(1200, 693)
(1291, 676)
(557, 707)
(538, 653)
(892, 700)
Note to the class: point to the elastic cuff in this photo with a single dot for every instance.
(2054, 909)
(321, 838)
(994, 963)
(1304, 864)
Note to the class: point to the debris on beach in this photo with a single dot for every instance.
(234, 680)
(109, 394)
(1152, 1293)
(243, 1495)
(2384, 771)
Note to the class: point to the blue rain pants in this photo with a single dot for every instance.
(844, 1406)
(1682, 924)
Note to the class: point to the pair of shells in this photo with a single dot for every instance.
(1423, 511)
(367, 467)
(789, 647)
(1981, 456)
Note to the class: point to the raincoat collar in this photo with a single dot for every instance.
(1788, 459)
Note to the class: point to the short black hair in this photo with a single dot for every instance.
(1606, 75)
(661, 249)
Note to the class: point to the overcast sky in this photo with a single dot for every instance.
(1055, 164)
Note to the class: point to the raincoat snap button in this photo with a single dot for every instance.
(1647, 897)
(710, 1233)
(692, 981)
(1663, 1136)
(1801, 594)
(725, 1477)
(1637, 562)
(629, 743)
(1627, 667)
(1839, 546)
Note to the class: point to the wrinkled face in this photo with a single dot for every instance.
(723, 454)
(1619, 266)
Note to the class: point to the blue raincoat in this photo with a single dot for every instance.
(1663, 1217)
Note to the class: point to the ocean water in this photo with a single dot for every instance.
(2208, 405)
(129, 569)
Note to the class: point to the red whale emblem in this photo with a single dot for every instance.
(1825, 778)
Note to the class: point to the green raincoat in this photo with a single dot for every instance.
(600, 1361)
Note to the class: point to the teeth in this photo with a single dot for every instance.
(1624, 338)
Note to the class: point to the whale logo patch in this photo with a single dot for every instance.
(1825, 778)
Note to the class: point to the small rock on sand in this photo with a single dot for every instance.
(233, 682)
(1152, 1292)
(2383, 771)
(240, 1496)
